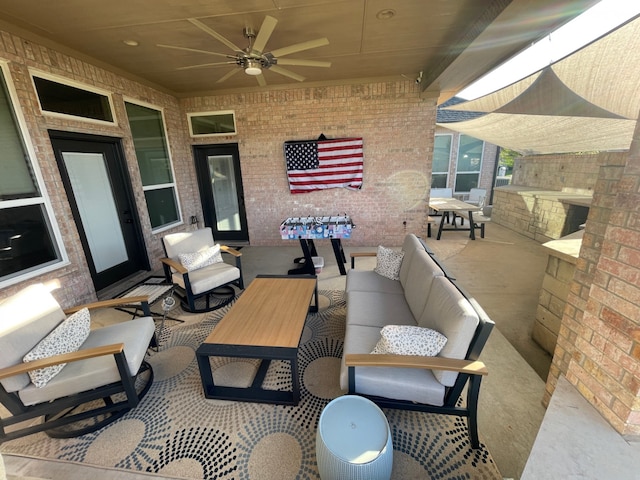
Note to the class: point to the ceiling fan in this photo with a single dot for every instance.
(253, 59)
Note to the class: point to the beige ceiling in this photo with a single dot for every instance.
(452, 42)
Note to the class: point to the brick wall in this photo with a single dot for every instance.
(397, 127)
(567, 172)
(598, 346)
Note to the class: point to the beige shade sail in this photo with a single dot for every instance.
(588, 101)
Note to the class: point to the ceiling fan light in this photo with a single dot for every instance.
(252, 67)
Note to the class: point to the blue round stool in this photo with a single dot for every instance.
(353, 441)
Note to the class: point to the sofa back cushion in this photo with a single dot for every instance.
(447, 311)
(26, 318)
(410, 245)
(420, 276)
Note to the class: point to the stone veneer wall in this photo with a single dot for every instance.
(568, 172)
(396, 124)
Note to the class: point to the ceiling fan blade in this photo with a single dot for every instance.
(202, 65)
(299, 47)
(186, 49)
(228, 75)
(214, 34)
(287, 73)
(268, 25)
(261, 80)
(303, 63)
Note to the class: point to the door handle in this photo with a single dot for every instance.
(128, 220)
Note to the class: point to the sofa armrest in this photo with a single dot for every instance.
(85, 354)
(472, 367)
(355, 255)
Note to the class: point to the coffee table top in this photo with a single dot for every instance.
(270, 312)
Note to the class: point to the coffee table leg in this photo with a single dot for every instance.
(204, 365)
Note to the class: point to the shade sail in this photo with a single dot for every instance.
(588, 101)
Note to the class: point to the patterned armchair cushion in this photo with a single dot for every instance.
(65, 338)
(201, 259)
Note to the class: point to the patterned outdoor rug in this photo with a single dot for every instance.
(176, 432)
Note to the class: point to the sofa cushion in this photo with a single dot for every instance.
(65, 338)
(202, 258)
(33, 314)
(409, 340)
(377, 309)
(388, 263)
(370, 281)
(451, 314)
(387, 382)
(410, 245)
(419, 279)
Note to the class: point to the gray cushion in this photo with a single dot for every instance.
(410, 245)
(370, 281)
(94, 372)
(377, 309)
(419, 279)
(448, 312)
(412, 384)
(209, 277)
(26, 318)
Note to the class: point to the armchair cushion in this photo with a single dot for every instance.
(388, 263)
(409, 340)
(204, 258)
(65, 338)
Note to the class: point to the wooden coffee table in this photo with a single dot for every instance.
(266, 323)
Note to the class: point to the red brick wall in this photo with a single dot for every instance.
(396, 125)
(598, 347)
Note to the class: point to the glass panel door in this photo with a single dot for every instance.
(97, 208)
(222, 175)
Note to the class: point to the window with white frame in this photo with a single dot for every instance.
(441, 161)
(469, 163)
(30, 242)
(62, 98)
(156, 170)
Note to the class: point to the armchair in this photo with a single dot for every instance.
(55, 367)
(194, 262)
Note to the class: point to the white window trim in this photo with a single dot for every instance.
(203, 114)
(33, 72)
(479, 171)
(157, 186)
(43, 199)
(448, 172)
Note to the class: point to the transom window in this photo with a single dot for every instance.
(63, 99)
(212, 123)
(29, 238)
(156, 170)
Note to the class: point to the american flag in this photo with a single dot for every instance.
(321, 164)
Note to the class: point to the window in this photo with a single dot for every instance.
(441, 160)
(212, 123)
(149, 139)
(58, 98)
(469, 163)
(29, 238)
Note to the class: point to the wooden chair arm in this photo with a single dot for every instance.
(232, 251)
(114, 302)
(473, 367)
(63, 358)
(177, 266)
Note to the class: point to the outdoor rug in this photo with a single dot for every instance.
(176, 432)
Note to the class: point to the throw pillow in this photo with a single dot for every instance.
(198, 260)
(388, 263)
(65, 338)
(410, 340)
